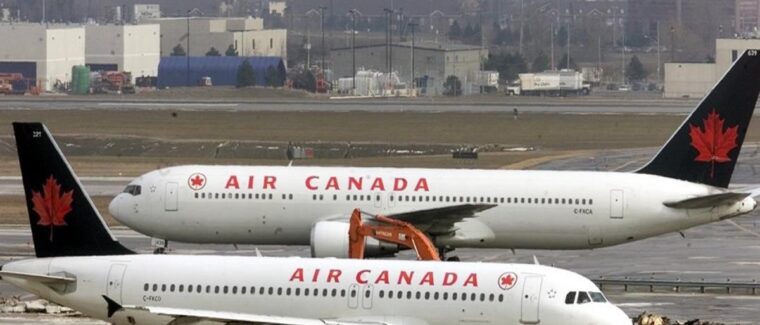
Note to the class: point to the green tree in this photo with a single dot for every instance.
(245, 75)
(635, 70)
(273, 78)
(455, 32)
(563, 64)
(540, 62)
(508, 65)
(452, 86)
(178, 51)
(310, 82)
(231, 51)
(213, 52)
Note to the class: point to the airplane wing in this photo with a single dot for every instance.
(707, 201)
(440, 221)
(188, 316)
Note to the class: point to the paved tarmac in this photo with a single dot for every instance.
(499, 104)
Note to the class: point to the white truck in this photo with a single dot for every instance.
(485, 81)
(549, 83)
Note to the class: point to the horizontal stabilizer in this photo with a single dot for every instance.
(41, 278)
(707, 201)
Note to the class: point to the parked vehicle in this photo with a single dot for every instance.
(549, 83)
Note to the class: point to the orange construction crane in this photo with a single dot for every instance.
(389, 230)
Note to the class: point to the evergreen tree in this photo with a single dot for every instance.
(213, 52)
(178, 51)
(540, 63)
(452, 86)
(455, 32)
(635, 70)
(245, 75)
(562, 64)
(231, 51)
(273, 78)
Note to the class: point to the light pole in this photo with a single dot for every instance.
(353, 50)
(413, 25)
(322, 29)
(187, 54)
(389, 44)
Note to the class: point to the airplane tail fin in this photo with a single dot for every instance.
(64, 220)
(706, 146)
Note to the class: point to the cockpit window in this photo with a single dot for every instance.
(583, 297)
(597, 297)
(133, 189)
(570, 298)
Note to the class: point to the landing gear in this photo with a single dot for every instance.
(159, 245)
(442, 251)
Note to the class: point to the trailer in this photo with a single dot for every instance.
(549, 83)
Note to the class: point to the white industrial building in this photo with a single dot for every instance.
(41, 52)
(246, 35)
(131, 48)
(693, 80)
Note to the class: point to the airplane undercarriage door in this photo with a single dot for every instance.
(170, 202)
(616, 204)
(531, 297)
(114, 284)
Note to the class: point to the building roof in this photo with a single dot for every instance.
(425, 45)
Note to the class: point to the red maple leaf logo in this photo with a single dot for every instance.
(507, 280)
(51, 205)
(713, 143)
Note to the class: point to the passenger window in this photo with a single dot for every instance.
(190, 288)
(155, 287)
(216, 289)
(271, 291)
(208, 289)
(445, 296)
(417, 295)
(399, 294)
(298, 291)
(482, 297)
(342, 292)
(454, 296)
(366, 293)
(501, 297)
(382, 294)
(590, 201)
(163, 288)
(473, 297)
(324, 292)
(334, 292)
(408, 295)
(529, 200)
(427, 295)
(583, 297)
(279, 291)
(306, 292)
(234, 290)
(242, 290)
(464, 296)
(287, 292)
(226, 289)
(435, 296)
(181, 288)
(353, 293)
(146, 287)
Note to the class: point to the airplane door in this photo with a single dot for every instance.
(367, 297)
(170, 204)
(353, 296)
(392, 199)
(114, 284)
(531, 297)
(378, 198)
(616, 204)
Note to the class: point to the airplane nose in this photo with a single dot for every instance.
(115, 206)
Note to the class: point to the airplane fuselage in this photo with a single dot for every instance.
(532, 209)
(395, 292)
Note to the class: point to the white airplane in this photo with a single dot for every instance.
(683, 186)
(81, 265)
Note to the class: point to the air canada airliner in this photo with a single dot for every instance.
(684, 185)
(81, 265)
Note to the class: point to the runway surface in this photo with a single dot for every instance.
(499, 104)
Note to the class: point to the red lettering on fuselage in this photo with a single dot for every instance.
(384, 277)
(336, 183)
(232, 182)
(269, 182)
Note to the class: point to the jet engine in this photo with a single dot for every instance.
(330, 239)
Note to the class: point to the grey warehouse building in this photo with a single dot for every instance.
(433, 62)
